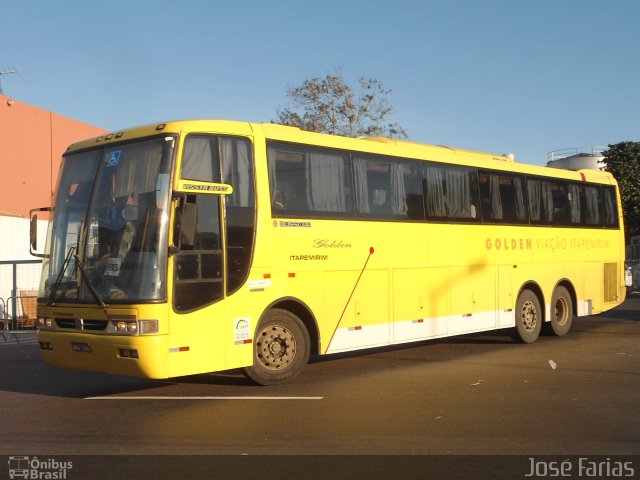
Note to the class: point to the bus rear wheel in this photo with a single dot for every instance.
(561, 311)
(281, 348)
(528, 317)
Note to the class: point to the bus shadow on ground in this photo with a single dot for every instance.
(232, 378)
(23, 371)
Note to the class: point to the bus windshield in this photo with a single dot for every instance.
(108, 236)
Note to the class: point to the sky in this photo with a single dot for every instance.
(523, 76)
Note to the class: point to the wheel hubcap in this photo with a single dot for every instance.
(561, 312)
(529, 316)
(276, 347)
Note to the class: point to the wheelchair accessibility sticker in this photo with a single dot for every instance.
(114, 158)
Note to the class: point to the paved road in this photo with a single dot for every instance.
(478, 394)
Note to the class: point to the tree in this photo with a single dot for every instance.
(623, 161)
(329, 105)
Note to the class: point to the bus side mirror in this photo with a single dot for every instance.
(33, 232)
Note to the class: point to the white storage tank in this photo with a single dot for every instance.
(577, 158)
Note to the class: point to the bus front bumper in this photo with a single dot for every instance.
(136, 356)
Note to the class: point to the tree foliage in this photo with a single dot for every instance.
(330, 105)
(623, 161)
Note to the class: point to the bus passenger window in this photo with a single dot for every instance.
(412, 184)
(573, 195)
(540, 200)
(590, 205)
(373, 185)
(490, 198)
(560, 202)
(387, 188)
(309, 181)
(609, 206)
(451, 192)
(201, 160)
(502, 198)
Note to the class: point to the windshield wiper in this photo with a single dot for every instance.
(87, 281)
(60, 276)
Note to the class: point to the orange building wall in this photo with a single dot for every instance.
(32, 142)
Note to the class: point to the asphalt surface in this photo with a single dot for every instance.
(470, 395)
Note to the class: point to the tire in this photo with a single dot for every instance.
(529, 317)
(281, 348)
(561, 311)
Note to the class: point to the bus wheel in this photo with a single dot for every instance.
(561, 311)
(281, 348)
(528, 317)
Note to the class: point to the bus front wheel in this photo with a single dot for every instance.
(528, 317)
(281, 348)
(561, 311)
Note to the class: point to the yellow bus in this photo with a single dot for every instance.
(199, 246)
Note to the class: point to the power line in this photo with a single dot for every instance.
(6, 71)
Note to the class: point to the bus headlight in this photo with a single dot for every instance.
(125, 326)
(45, 323)
(133, 327)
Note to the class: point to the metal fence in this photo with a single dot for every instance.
(632, 275)
(19, 281)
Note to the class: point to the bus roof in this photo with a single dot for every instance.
(374, 145)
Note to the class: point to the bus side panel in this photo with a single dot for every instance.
(420, 303)
(506, 300)
(243, 311)
(592, 289)
(521, 274)
(573, 272)
(473, 298)
(195, 343)
(365, 321)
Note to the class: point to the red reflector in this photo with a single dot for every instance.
(358, 328)
(292, 275)
(247, 341)
(178, 349)
(466, 315)
(266, 275)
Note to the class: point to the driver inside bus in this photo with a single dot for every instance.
(117, 234)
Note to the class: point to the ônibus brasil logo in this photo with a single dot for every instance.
(38, 469)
